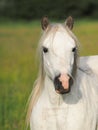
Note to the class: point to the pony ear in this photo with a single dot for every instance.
(44, 22)
(69, 22)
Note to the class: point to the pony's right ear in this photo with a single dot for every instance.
(44, 22)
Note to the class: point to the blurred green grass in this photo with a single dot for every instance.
(18, 67)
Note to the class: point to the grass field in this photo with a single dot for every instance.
(18, 67)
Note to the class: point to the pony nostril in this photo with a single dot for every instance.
(70, 81)
(57, 83)
(57, 76)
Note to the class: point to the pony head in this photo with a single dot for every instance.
(58, 59)
(59, 53)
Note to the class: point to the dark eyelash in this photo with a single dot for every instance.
(74, 49)
(45, 50)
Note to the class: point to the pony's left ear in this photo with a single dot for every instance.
(44, 22)
(69, 22)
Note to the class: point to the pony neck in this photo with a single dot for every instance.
(53, 97)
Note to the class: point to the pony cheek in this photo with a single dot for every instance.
(72, 61)
(48, 70)
(71, 65)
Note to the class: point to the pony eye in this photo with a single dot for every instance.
(74, 49)
(45, 50)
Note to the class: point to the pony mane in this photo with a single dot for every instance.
(39, 83)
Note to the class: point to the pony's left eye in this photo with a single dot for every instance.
(74, 49)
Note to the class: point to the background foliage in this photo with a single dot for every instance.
(31, 9)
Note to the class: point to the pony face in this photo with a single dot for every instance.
(58, 51)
